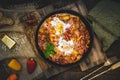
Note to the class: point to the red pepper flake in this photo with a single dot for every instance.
(30, 21)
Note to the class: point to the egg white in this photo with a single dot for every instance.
(65, 46)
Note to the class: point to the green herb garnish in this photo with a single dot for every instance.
(49, 50)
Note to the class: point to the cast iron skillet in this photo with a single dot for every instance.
(73, 13)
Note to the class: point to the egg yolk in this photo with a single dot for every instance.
(59, 27)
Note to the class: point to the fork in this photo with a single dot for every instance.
(108, 62)
(113, 67)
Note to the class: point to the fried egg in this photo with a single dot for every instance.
(65, 46)
(59, 25)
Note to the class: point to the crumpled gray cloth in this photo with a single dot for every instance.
(106, 21)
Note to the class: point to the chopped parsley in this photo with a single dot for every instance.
(49, 50)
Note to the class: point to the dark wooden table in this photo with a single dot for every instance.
(75, 73)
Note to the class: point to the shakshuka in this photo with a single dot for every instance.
(63, 38)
